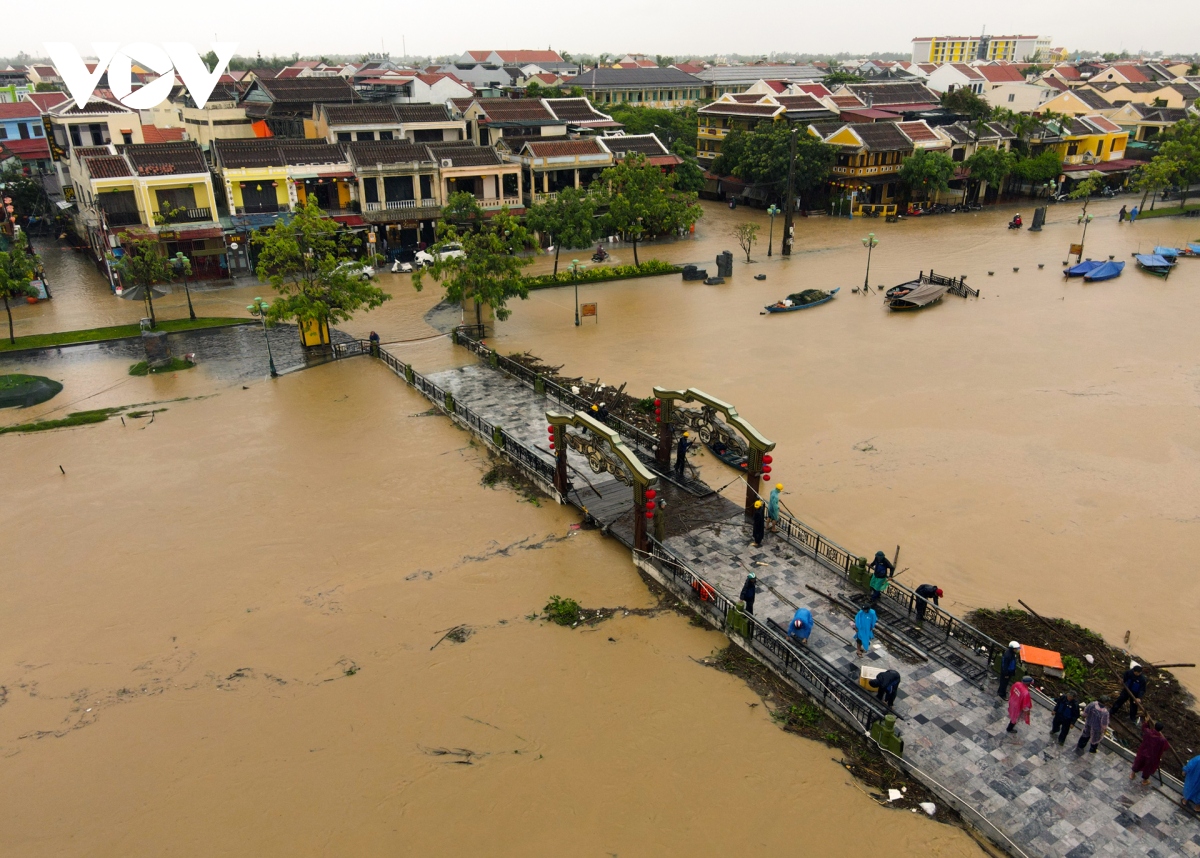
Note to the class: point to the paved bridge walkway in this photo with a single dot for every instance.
(1021, 790)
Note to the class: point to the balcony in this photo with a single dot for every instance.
(122, 218)
(264, 208)
(391, 205)
(545, 198)
(501, 202)
(187, 216)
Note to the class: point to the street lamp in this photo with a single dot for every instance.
(1086, 220)
(772, 210)
(869, 243)
(183, 265)
(259, 310)
(575, 267)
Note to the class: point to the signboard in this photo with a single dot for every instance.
(371, 238)
(1077, 249)
(589, 310)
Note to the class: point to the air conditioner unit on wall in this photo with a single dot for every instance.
(447, 162)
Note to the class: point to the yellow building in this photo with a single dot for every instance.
(964, 49)
(1088, 140)
(742, 112)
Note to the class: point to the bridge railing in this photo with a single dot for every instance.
(471, 337)
(812, 674)
(838, 559)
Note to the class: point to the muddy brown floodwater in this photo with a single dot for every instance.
(218, 626)
(221, 637)
(1040, 443)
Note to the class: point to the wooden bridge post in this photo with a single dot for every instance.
(662, 454)
(754, 464)
(640, 542)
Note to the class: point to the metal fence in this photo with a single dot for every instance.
(471, 337)
(809, 671)
(839, 559)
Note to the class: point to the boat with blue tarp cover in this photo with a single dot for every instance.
(1154, 263)
(1083, 267)
(1108, 271)
(1169, 253)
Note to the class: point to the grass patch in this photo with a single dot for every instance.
(173, 365)
(1169, 212)
(16, 379)
(564, 612)
(115, 332)
(76, 418)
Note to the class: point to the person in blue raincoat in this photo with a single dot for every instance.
(864, 629)
(801, 625)
(773, 506)
(1191, 783)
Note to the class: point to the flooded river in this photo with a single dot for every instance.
(219, 624)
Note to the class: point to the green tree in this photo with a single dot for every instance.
(143, 265)
(689, 176)
(489, 272)
(533, 89)
(28, 197)
(16, 276)
(305, 259)
(577, 92)
(760, 157)
(1156, 174)
(746, 234)
(837, 78)
(210, 60)
(964, 101)
(668, 125)
(1085, 189)
(989, 165)
(1038, 169)
(643, 200)
(664, 62)
(1181, 143)
(568, 220)
(925, 173)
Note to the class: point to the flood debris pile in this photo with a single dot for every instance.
(1093, 667)
(638, 412)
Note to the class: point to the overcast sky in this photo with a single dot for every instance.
(615, 26)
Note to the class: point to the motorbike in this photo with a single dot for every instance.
(1015, 224)
(600, 255)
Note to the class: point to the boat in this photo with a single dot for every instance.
(1168, 253)
(730, 457)
(1191, 250)
(902, 289)
(1154, 263)
(921, 296)
(1083, 267)
(1107, 271)
(802, 300)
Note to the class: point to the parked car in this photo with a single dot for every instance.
(447, 251)
(365, 270)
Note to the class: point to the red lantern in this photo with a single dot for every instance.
(651, 494)
(551, 445)
(658, 402)
(649, 514)
(766, 469)
(649, 504)
(767, 460)
(550, 428)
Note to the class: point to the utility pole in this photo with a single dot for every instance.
(789, 202)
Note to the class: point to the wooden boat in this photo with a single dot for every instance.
(730, 457)
(1192, 249)
(1168, 253)
(1108, 271)
(1083, 268)
(1154, 264)
(780, 307)
(902, 289)
(921, 296)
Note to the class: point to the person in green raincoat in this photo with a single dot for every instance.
(881, 573)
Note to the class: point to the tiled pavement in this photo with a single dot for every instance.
(1046, 800)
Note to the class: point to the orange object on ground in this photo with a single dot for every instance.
(1041, 657)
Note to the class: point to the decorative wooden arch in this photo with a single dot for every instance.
(636, 475)
(757, 445)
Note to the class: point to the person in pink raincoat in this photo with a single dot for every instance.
(1020, 703)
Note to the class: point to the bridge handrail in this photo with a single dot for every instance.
(839, 559)
(819, 679)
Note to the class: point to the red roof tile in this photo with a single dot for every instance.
(20, 110)
(154, 134)
(564, 148)
(46, 100)
(33, 149)
(1001, 74)
(107, 167)
(918, 132)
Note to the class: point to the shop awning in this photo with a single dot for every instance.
(350, 220)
